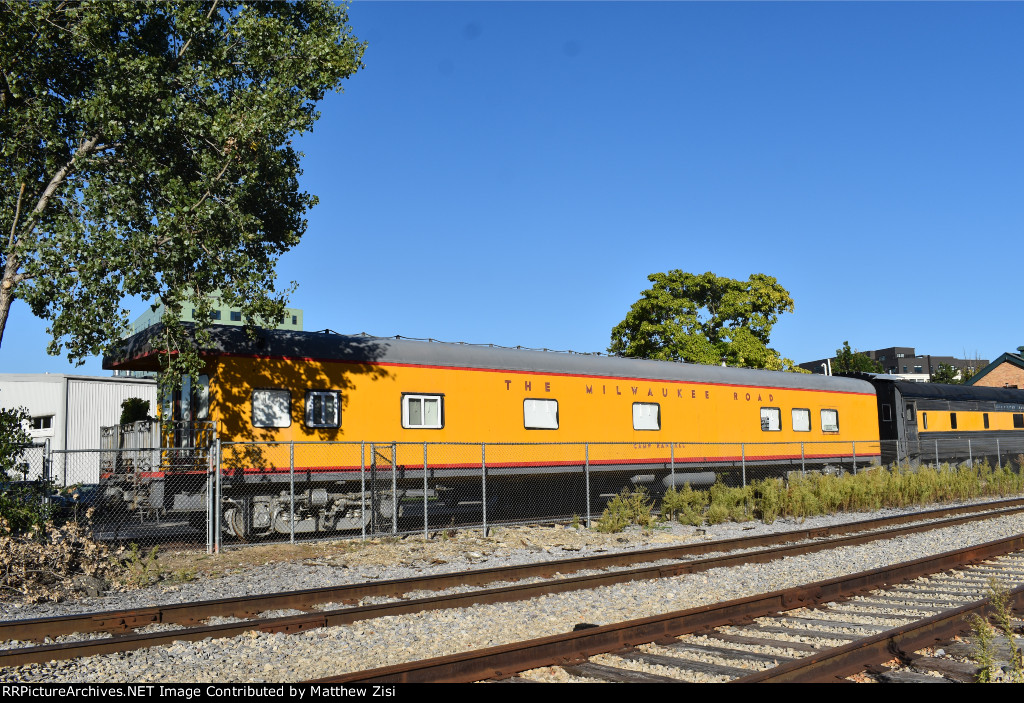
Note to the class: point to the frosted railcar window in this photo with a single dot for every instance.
(271, 408)
(201, 391)
(829, 420)
(185, 399)
(771, 419)
(540, 414)
(801, 420)
(423, 412)
(323, 409)
(646, 416)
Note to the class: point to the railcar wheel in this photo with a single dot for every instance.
(233, 521)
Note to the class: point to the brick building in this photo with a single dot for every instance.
(1005, 372)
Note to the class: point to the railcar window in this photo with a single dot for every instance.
(984, 417)
(423, 412)
(952, 421)
(201, 393)
(771, 419)
(646, 416)
(184, 398)
(801, 419)
(540, 414)
(829, 420)
(911, 414)
(886, 413)
(1018, 421)
(323, 409)
(271, 407)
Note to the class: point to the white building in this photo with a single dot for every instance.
(69, 411)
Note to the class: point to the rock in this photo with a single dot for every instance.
(89, 585)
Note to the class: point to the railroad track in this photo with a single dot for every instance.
(127, 630)
(820, 632)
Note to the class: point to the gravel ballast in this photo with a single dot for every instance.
(257, 657)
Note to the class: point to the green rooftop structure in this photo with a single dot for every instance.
(221, 315)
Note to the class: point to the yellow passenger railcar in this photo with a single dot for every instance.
(447, 409)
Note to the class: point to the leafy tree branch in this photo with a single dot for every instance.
(153, 142)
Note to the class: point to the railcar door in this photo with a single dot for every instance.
(913, 445)
(187, 429)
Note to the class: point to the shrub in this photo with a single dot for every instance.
(24, 505)
(627, 508)
(687, 506)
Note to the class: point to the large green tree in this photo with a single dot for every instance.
(703, 318)
(145, 151)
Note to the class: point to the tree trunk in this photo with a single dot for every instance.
(7, 291)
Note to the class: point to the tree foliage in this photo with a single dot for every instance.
(703, 318)
(946, 374)
(13, 439)
(145, 151)
(851, 361)
(133, 410)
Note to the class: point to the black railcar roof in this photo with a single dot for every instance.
(139, 352)
(909, 389)
(943, 391)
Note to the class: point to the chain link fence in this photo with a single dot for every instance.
(309, 490)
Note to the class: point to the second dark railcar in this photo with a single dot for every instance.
(947, 423)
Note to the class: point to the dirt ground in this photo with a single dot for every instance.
(468, 545)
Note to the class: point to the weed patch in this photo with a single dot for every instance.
(802, 496)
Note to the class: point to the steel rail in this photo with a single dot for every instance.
(343, 616)
(835, 664)
(123, 621)
(572, 647)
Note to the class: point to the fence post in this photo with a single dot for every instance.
(672, 461)
(970, 454)
(216, 497)
(743, 464)
(362, 485)
(586, 477)
(999, 461)
(936, 455)
(425, 514)
(483, 479)
(394, 488)
(209, 505)
(46, 460)
(854, 458)
(291, 491)
(803, 462)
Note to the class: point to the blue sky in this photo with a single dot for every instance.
(512, 172)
